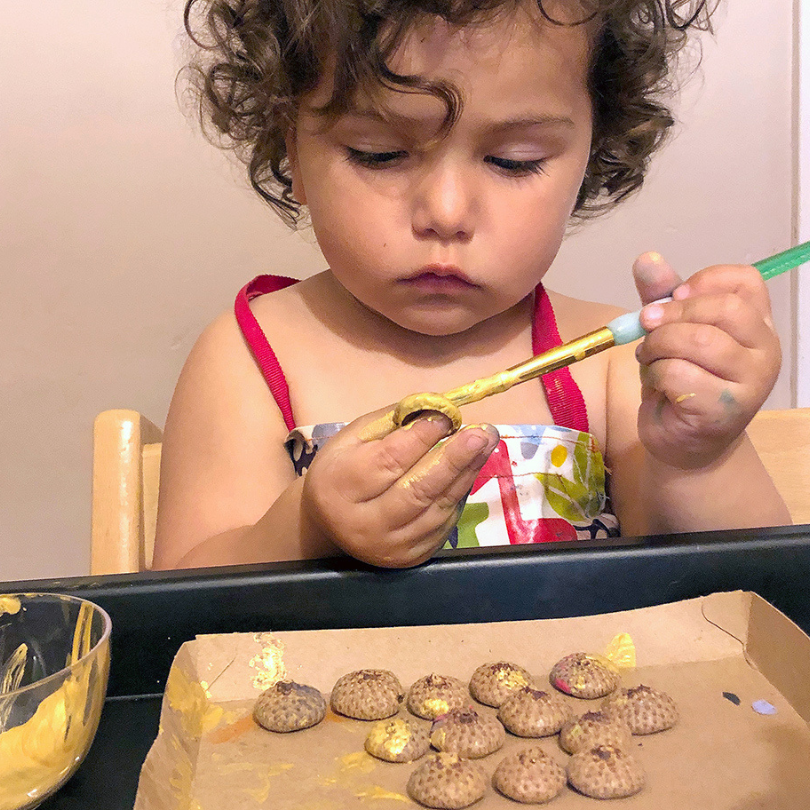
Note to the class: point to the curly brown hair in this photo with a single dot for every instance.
(258, 58)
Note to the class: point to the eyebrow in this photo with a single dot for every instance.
(519, 122)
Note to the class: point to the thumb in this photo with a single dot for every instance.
(654, 277)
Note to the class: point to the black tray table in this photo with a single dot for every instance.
(154, 613)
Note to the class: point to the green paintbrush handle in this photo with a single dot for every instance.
(627, 328)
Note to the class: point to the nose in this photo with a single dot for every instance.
(444, 203)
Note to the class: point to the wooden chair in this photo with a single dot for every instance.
(126, 473)
(782, 439)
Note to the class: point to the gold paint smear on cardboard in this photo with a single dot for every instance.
(269, 663)
(262, 793)
(189, 699)
(349, 768)
(377, 792)
(236, 725)
(180, 783)
(357, 761)
(622, 651)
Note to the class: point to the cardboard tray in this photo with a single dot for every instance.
(210, 754)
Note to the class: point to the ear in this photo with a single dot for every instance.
(291, 143)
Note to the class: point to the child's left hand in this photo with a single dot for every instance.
(708, 363)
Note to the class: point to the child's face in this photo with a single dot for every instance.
(438, 234)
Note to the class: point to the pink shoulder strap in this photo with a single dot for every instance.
(258, 343)
(565, 400)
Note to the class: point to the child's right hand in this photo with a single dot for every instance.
(392, 501)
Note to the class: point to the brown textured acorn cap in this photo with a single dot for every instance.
(530, 712)
(289, 706)
(467, 733)
(529, 776)
(585, 675)
(594, 728)
(434, 694)
(367, 694)
(493, 683)
(397, 740)
(605, 772)
(448, 782)
(645, 710)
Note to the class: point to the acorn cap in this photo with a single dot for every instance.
(367, 694)
(447, 781)
(645, 710)
(434, 694)
(594, 728)
(289, 706)
(605, 772)
(493, 683)
(397, 740)
(585, 675)
(532, 712)
(467, 733)
(529, 776)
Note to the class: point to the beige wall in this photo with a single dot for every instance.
(122, 232)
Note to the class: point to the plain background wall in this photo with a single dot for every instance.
(802, 280)
(122, 232)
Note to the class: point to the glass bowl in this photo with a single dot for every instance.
(54, 664)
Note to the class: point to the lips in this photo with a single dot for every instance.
(439, 278)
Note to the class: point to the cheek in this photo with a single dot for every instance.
(345, 237)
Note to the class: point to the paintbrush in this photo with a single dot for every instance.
(624, 329)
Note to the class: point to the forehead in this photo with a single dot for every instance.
(514, 56)
(435, 48)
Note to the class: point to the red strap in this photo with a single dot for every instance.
(257, 340)
(565, 400)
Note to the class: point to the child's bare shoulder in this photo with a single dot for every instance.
(223, 341)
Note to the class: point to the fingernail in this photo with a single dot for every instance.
(477, 441)
(680, 292)
(647, 264)
(652, 315)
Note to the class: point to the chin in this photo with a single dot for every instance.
(435, 326)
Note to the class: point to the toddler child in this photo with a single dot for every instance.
(440, 150)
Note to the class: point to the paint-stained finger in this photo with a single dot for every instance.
(654, 277)
(442, 478)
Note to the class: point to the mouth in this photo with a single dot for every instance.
(439, 278)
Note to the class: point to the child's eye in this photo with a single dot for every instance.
(374, 160)
(517, 167)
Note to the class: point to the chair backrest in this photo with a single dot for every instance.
(126, 475)
(782, 439)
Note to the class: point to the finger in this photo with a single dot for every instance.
(417, 542)
(377, 465)
(705, 346)
(654, 277)
(726, 312)
(435, 485)
(741, 280)
(692, 390)
(689, 391)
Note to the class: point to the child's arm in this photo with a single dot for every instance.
(708, 363)
(223, 460)
(229, 494)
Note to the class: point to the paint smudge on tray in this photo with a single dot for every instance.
(763, 707)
